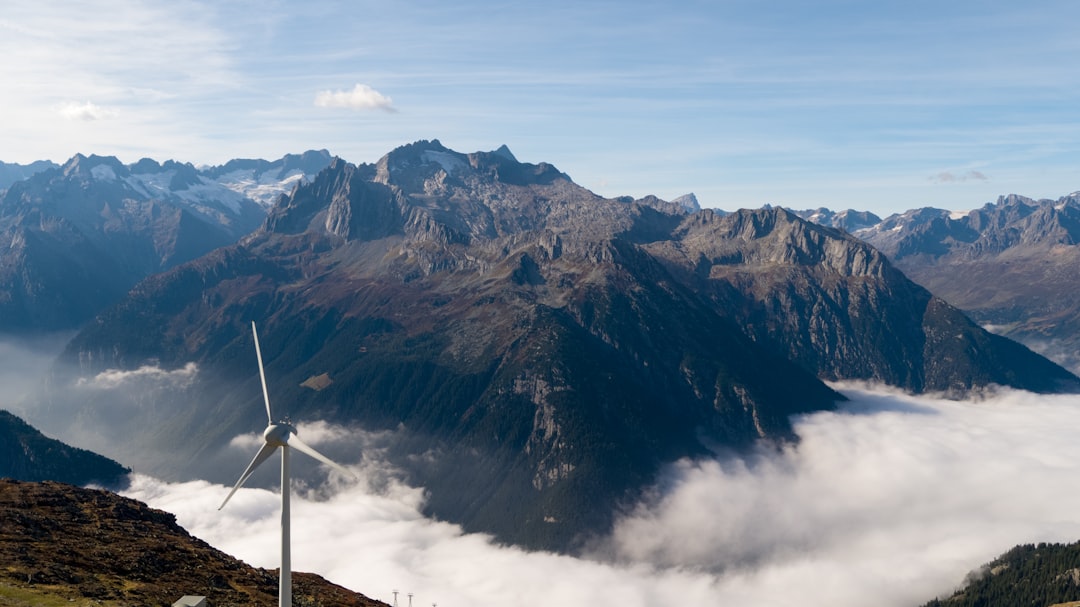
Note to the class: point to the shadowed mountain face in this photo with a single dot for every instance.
(61, 543)
(27, 455)
(1013, 265)
(540, 350)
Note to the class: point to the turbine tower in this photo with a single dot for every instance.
(279, 434)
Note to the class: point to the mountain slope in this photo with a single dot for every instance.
(838, 307)
(61, 541)
(26, 454)
(540, 351)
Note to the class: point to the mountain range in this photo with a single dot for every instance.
(537, 351)
(76, 237)
(1011, 265)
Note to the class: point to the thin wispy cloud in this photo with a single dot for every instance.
(894, 498)
(360, 97)
(950, 177)
(153, 375)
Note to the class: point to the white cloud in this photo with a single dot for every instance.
(116, 378)
(85, 111)
(894, 497)
(361, 97)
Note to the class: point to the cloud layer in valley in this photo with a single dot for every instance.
(893, 497)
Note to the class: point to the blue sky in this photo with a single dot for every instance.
(882, 106)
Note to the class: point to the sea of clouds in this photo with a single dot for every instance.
(893, 500)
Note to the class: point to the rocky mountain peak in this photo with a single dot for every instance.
(688, 202)
(144, 166)
(848, 220)
(417, 161)
(505, 153)
(310, 162)
(429, 166)
(103, 168)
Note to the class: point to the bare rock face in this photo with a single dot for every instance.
(838, 307)
(62, 542)
(547, 349)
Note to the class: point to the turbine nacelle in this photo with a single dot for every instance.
(277, 435)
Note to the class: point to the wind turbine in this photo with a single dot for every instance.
(279, 434)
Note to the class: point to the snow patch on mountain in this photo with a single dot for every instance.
(103, 172)
(263, 187)
(449, 161)
(212, 195)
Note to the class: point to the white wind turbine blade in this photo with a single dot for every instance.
(264, 452)
(301, 446)
(262, 374)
